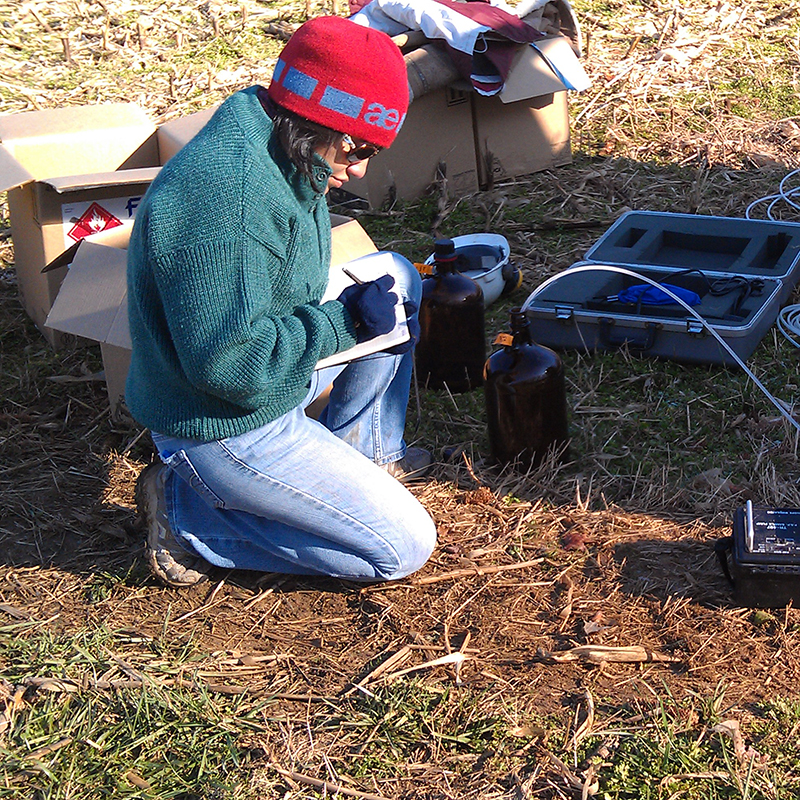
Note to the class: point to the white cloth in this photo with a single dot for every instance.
(433, 19)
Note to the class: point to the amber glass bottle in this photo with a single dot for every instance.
(452, 344)
(526, 401)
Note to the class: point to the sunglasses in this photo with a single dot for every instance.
(358, 152)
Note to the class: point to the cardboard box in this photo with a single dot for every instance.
(93, 299)
(73, 172)
(437, 135)
(174, 134)
(550, 65)
(520, 138)
(481, 139)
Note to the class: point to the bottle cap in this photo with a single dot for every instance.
(444, 250)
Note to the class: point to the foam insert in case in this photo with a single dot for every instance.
(755, 248)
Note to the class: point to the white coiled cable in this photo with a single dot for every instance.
(789, 317)
(789, 324)
(784, 195)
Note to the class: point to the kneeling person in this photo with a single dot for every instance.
(227, 264)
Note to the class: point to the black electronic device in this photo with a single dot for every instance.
(761, 558)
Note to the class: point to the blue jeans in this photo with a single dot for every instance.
(305, 497)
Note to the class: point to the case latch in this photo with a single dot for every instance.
(695, 328)
(564, 313)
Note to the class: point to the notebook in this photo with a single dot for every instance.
(367, 268)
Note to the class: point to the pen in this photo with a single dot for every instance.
(352, 277)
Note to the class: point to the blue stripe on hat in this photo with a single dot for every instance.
(343, 102)
(279, 67)
(300, 83)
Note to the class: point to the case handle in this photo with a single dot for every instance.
(605, 325)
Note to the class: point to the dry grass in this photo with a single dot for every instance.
(334, 682)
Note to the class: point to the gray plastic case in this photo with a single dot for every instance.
(570, 313)
(686, 250)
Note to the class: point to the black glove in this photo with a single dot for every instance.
(371, 305)
(413, 330)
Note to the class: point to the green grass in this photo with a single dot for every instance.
(696, 761)
(180, 744)
(767, 83)
(404, 724)
(181, 741)
(192, 743)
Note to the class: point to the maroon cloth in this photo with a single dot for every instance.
(488, 70)
(501, 22)
(344, 76)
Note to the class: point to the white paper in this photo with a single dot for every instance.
(367, 268)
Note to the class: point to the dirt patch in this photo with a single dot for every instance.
(509, 584)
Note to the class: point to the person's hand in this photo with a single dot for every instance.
(371, 305)
(413, 330)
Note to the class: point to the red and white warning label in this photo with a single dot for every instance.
(85, 218)
(93, 220)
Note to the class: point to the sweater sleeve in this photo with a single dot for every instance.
(235, 336)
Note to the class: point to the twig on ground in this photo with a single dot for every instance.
(683, 776)
(598, 654)
(587, 787)
(50, 748)
(585, 728)
(208, 604)
(137, 781)
(265, 593)
(10, 704)
(454, 575)
(396, 658)
(451, 658)
(70, 686)
(327, 786)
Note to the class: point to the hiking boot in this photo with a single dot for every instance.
(413, 466)
(169, 561)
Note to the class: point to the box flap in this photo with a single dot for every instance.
(122, 177)
(55, 122)
(173, 135)
(117, 236)
(348, 240)
(12, 173)
(119, 333)
(92, 300)
(549, 65)
(75, 140)
(65, 259)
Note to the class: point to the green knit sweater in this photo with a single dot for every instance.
(227, 262)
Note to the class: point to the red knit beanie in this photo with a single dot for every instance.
(347, 77)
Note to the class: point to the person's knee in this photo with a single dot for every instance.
(415, 547)
(408, 282)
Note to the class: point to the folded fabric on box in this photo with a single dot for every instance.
(482, 39)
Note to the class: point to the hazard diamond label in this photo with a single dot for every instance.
(93, 220)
